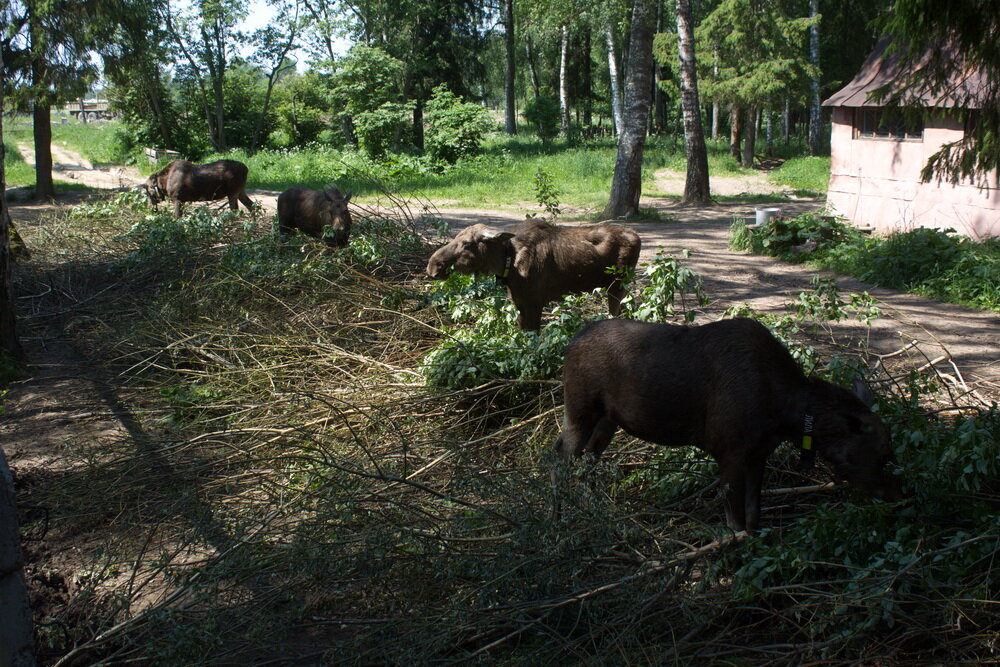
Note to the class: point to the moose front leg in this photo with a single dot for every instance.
(734, 485)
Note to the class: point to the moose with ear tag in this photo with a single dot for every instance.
(729, 388)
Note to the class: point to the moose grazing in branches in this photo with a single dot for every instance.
(322, 214)
(181, 181)
(729, 388)
(540, 262)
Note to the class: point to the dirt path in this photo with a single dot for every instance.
(69, 165)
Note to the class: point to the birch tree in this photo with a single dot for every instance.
(626, 183)
(696, 183)
(510, 72)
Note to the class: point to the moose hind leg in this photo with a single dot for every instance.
(233, 206)
(245, 200)
(734, 484)
(754, 478)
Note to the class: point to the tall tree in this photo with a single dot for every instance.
(47, 55)
(9, 344)
(696, 183)
(626, 183)
(439, 42)
(133, 53)
(510, 71)
(815, 110)
(615, 76)
(206, 37)
(272, 45)
(760, 55)
(564, 78)
(944, 42)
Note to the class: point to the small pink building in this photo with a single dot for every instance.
(876, 158)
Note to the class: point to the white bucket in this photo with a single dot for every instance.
(765, 214)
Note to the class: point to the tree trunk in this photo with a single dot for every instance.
(626, 184)
(735, 131)
(769, 132)
(696, 185)
(588, 79)
(785, 113)
(750, 140)
(815, 111)
(715, 103)
(531, 66)
(418, 124)
(616, 82)
(510, 101)
(42, 129)
(659, 102)
(564, 79)
(8, 331)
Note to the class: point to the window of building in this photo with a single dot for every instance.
(876, 123)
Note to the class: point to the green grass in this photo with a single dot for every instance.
(808, 176)
(16, 171)
(503, 175)
(95, 141)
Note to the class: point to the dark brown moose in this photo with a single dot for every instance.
(539, 262)
(181, 181)
(729, 388)
(322, 214)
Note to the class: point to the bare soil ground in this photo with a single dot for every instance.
(70, 398)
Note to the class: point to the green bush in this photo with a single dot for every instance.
(455, 128)
(933, 262)
(380, 129)
(543, 113)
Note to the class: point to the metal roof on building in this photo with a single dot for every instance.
(884, 69)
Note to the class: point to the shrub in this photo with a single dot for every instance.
(934, 262)
(455, 128)
(543, 113)
(380, 129)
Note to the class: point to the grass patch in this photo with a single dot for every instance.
(808, 176)
(94, 141)
(17, 173)
(502, 175)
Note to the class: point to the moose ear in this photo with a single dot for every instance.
(489, 234)
(863, 393)
(347, 197)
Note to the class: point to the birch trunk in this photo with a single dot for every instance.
(626, 183)
(815, 111)
(615, 76)
(696, 184)
(510, 102)
(564, 80)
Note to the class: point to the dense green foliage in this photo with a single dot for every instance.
(455, 128)
(542, 113)
(936, 263)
